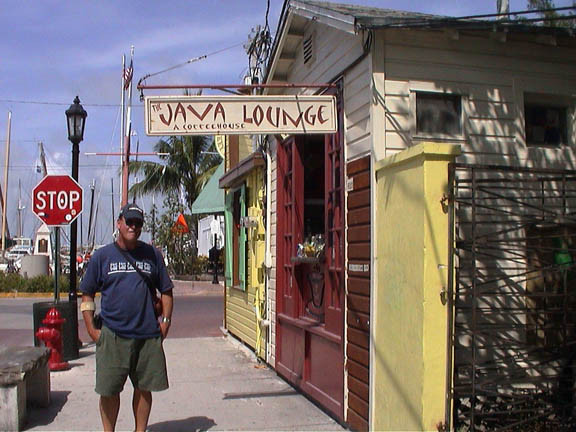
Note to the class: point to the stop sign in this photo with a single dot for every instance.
(57, 200)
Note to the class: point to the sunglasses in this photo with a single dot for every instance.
(134, 222)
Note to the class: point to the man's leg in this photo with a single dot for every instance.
(109, 407)
(141, 405)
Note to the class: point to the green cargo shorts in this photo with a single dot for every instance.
(117, 358)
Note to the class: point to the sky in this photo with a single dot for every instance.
(54, 50)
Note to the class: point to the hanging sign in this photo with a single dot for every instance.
(220, 144)
(240, 115)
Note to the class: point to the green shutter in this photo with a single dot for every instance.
(242, 242)
(228, 223)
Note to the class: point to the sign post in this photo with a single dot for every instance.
(57, 200)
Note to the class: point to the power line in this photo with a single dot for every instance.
(55, 168)
(192, 60)
(20, 101)
(96, 105)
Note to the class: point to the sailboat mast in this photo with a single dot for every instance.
(113, 212)
(90, 222)
(5, 195)
(20, 208)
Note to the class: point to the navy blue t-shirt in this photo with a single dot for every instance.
(126, 306)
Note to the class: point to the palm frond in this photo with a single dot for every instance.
(186, 164)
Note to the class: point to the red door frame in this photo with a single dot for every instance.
(310, 354)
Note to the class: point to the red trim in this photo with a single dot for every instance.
(310, 326)
(310, 353)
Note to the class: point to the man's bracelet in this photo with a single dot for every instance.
(166, 320)
(87, 306)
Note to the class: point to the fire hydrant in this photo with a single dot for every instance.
(51, 335)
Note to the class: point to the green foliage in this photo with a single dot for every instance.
(10, 282)
(201, 265)
(187, 165)
(179, 248)
(13, 282)
(551, 17)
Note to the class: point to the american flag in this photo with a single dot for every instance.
(127, 75)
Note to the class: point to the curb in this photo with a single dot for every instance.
(204, 287)
(16, 294)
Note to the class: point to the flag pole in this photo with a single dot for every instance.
(122, 117)
(128, 126)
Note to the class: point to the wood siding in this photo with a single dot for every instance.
(327, 64)
(271, 293)
(358, 294)
(357, 123)
(492, 77)
(242, 319)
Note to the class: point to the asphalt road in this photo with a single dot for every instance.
(194, 316)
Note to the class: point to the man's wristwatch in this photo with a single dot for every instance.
(166, 320)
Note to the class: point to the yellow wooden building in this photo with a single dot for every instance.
(245, 309)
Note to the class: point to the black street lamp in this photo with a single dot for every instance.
(76, 119)
(76, 116)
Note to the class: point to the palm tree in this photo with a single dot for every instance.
(186, 165)
(552, 18)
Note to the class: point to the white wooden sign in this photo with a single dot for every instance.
(240, 115)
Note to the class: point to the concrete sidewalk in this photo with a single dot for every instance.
(215, 384)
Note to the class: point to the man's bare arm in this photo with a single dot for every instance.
(88, 309)
(167, 306)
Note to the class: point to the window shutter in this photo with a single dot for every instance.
(228, 223)
(242, 242)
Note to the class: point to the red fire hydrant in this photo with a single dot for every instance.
(51, 335)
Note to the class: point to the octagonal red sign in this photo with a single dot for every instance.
(57, 200)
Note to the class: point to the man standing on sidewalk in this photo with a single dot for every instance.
(129, 344)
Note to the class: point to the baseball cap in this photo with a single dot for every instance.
(131, 211)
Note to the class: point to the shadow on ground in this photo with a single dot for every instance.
(45, 416)
(191, 424)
